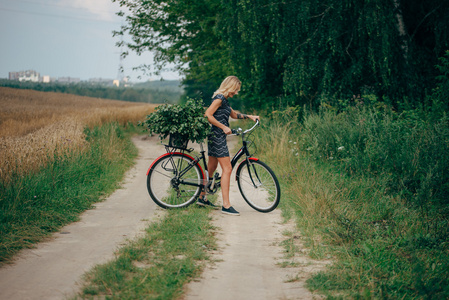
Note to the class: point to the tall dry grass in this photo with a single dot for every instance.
(36, 126)
(298, 177)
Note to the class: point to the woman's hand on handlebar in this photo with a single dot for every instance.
(227, 130)
(254, 118)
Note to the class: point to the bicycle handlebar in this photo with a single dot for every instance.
(240, 130)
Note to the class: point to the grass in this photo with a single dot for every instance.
(84, 164)
(156, 266)
(37, 126)
(381, 219)
(173, 251)
(26, 111)
(59, 154)
(383, 244)
(34, 205)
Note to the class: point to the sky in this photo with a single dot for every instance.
(66, 38)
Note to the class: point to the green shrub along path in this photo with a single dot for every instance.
(368, 188)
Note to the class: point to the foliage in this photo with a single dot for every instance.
(297, 52)
(441, 91)
(305, 51)
(412, 153)
(157, 265)
(381, 245)
(247, 27)
(181, 33)
(151, 92)
(185, 120)
(34, 205)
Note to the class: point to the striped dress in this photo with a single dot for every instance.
(216, 142)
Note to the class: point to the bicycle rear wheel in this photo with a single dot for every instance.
(174, 181)
(258, 185)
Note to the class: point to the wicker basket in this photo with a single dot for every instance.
(178, 141)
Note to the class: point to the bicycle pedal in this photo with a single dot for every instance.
(212, 190)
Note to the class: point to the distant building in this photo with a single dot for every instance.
(68, 80)
(101, 81)
(33, 76)
(29, 75)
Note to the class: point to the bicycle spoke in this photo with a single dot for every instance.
(163, 174)
(167, 188)
(258, 186)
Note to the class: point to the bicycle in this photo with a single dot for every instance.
(176, 179)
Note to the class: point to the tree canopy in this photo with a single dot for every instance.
(296, 52)
(182, 33)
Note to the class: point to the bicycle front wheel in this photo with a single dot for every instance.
(258, 185)
(174, 181)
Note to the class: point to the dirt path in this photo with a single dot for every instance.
(248, 257)
(246, 260)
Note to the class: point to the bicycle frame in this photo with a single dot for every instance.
(202, 157)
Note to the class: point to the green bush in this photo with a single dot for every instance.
(411, 152)
(381, 245)
(441, 91)
(186, 120)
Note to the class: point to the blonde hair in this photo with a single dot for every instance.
(229, 85)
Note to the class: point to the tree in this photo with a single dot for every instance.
(246, 27)
(182, 33)
(328, 49)
(296, 52)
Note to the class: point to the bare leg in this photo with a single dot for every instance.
(212, 164)
(226, 167)
(225, 163)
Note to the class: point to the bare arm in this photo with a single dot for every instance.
(210, 116)
(236, 115)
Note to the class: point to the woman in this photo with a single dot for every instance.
(218, 115)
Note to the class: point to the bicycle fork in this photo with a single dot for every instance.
(238, 155)
(251, 176)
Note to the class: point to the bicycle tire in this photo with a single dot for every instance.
(164, 185)
(264, 194)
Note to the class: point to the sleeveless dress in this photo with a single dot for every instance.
(216, 142)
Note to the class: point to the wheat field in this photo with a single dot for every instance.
(34, 126)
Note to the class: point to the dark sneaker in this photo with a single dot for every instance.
(206, 203)
(230, 211)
